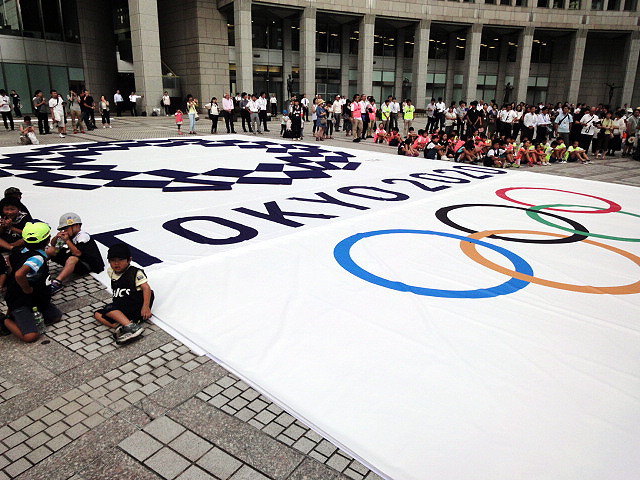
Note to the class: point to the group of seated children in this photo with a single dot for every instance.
(501, 152)
(28, 245)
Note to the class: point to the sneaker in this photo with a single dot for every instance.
(117, 332)
(104, 126)
(81, 131)
(109, 126)
(129, 332)
(61, 135)
(55, 286)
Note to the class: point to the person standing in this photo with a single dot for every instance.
(56, 107)
(192, 111)
(395, 110)
(166, 103)
(119, 101)
(431, 116)
(262, 101)
(356, 115)
(337, 111)
(244, 113)
(589, 122)
(529, 122)
(407, 115)
(5, 110)
(385, 114)
(543, 123)
(274, 105)
(133, 99)
(73, 103)
(227, 113)
(441, 107)
(42, 112)
(253, 107)
(17, 106)
(296, 120)
(104, 110)
(562, 125)
(305, 106)
(87, 106)
(214, 114)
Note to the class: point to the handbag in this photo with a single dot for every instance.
(197, 117)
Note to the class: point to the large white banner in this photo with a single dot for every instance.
(436, 320)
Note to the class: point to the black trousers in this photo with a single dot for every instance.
(262, 115)
(246, 120)
(214, 123)
(7, 118)
(16, 110)
(43, 122)
(432, 123)
(119, 108)
(228, 121)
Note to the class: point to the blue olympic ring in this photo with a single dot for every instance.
(342, 254)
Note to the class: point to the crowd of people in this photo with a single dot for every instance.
(519, 134)
(507, 135)
(27, 247)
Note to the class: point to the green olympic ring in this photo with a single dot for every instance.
(533, 213)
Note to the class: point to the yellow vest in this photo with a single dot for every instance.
(386, 111)
(408, 112)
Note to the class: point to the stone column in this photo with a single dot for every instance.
(471, 62)
(286, 59)
(98, 47)
(523, 64)
(344, 59)
(451, 68)
(632, 51)
(574, 64)
(399, 74)
(308, 52)
(420, 64)
(365, 54)
(145, 42)
(502, 69)
(244, 46)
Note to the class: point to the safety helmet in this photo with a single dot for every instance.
(35, 232)
(68, 219)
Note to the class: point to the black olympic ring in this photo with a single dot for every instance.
(443, 216)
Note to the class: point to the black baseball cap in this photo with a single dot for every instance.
(119, 250)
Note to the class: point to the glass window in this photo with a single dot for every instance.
(490, 2)
(597, 4)
(440, 78)
(70, 21)
(258, 32)
(490, 80)
(531, 81)
(77, 74)
(322, 43)
(295, 38)
(231, 33)
(378, 41)
(505, 2)
(508, 79)
(429, 77)
(613, 5)
(542, 82)
(438, 45)
(52, 20)
(575, 4)
(334, 39)
(39, 79)
(353, 43)
(543, 3)
(480, 80)
(458, 79)
(408, 48)
(353, 75)
(377, 76)
(541, 51)
(558, 3)
(461, 44)
(16, 75)
(630, 5)
(521, 3)
(390, 43)
(9, 23)
(59, 79)
(31, 24)
(388, 76)
(457, 95)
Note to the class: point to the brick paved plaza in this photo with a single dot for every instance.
(76, 406)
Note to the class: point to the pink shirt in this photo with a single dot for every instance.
(355, 108)
(227, 104)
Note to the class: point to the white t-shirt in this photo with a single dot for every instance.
(253, 106)
(395, 107)
(262, 102)
(5, 106)
(134, 98)
(273, 100)
(58, 107)
(430, 109)
(305, 102)
(166, 100)
(441, 107)
(589, 128)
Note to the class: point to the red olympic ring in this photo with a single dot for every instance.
(613, 207)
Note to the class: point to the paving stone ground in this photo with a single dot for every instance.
(74, 406)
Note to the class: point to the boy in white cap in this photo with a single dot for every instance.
(74, 249)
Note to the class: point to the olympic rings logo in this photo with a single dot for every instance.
(522, 272)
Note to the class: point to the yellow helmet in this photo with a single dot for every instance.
(35, 232)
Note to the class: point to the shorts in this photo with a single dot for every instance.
(23, 317)
(61, 258)
(57, 118)
(132, 312)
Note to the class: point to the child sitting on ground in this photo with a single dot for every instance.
(132, 296)
(26, 284)
(27, 133)
(560, 150)
(380, 134)
(74, 249)
(12, 223)
(576, 153)
(394, 137)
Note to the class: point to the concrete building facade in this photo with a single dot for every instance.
(516, 50)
